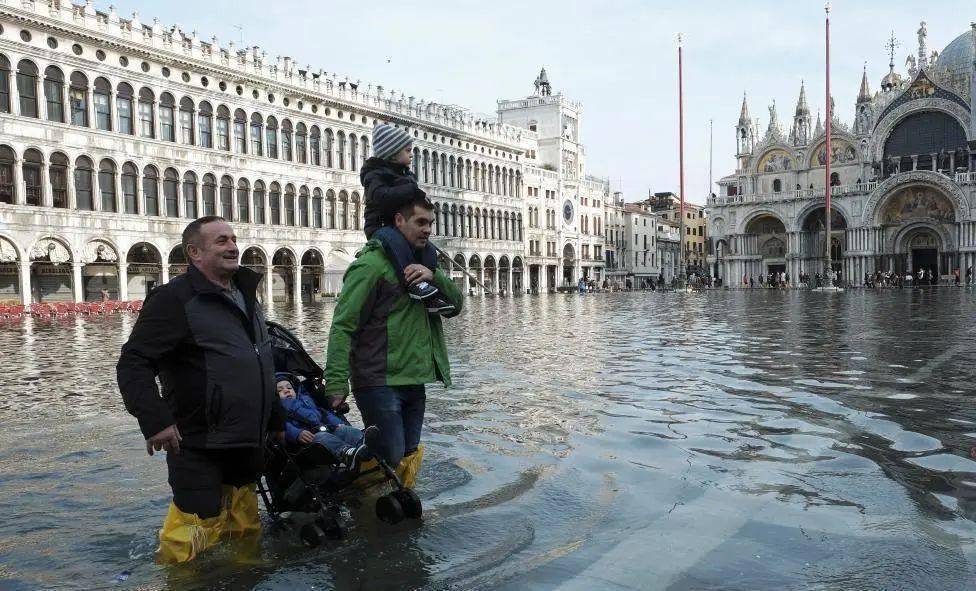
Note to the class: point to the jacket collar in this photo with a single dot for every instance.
(245, 279)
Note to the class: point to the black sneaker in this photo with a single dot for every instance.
(422, 291)
(438, 305)
(355, 456)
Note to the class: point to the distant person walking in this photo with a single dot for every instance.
(204, 336)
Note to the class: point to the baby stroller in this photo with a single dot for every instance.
(310, 479)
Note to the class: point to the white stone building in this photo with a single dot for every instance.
(115, 133)
(903, 184)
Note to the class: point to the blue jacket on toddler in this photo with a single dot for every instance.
(303, 415)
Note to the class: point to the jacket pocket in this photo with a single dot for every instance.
(215, 399)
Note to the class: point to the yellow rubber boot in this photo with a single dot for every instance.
(185, 535)
(409, 467)
(242, 511)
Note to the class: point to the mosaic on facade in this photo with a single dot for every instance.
(917, 203)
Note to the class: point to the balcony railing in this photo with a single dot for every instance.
(796, 194)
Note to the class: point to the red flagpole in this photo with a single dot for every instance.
(828, 271)
(681, 167)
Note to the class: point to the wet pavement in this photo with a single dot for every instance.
(725, 440)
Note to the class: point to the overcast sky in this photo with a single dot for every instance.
(617, 57)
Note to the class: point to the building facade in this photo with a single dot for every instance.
(116, 133)
(903, 185)
(668, 205)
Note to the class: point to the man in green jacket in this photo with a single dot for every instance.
(385, 343)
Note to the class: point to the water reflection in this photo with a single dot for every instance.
(724, 440)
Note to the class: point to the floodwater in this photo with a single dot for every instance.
(725, 440)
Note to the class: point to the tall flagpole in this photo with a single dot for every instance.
(828, 268)
(681, 170)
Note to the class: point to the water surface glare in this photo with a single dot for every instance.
(726, 440)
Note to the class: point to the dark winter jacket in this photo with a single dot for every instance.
(388, 187)
(304, 415)
(213, 361)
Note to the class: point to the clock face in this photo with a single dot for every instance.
(568, 211)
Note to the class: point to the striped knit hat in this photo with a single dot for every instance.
(388, 140)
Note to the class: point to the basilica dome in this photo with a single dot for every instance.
(957, 57)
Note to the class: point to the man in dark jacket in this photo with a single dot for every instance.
(204, 335)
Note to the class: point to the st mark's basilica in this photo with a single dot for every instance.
(902, 183)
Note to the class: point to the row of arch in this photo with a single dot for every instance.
(141, 113)
(163, 191)
(463, 173)
(461, 221)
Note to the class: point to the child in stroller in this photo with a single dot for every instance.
(318, 479)
(306, 423)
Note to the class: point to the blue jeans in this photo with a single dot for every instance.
(401, 253)
(398, 411)
(339, 440)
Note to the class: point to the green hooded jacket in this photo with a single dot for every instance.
(380, 336)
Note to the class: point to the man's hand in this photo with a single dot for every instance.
(306, 437)
(416, 273)
(167, 440)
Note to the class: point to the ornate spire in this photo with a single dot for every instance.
(819, 129)
(801, 104)
(923, 58)
(744, 113)
(773, 119)
(865, 94)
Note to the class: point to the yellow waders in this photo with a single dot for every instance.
(185, 535)
(406, 471)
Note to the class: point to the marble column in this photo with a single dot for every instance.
(24, 267)
(511, 286)
(269, 286)
(296, 286)
(20, 189)
(76, 281)
(164, 271)
(123, 281)
(72, 198)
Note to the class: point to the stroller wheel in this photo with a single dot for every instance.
(388, 509)
(410, 502)
(330, 526)
(312, 535)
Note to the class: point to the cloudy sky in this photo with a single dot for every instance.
(617, 57)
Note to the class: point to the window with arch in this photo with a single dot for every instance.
(205, 124)
(330, 205)
(190, 194)
(240, 131)
(353, 152)
(290, 205)
(341, 150)
(167, 121)
(186, 121)
(303, 220)
(31, 169)
(171, 181)
(209, 194)
(315, 156)
(4, 84)
(777, 185)
(58, 177)
(54, 93)
(150, 189)
(6, 175)
(271, 136)
(356, 217)
(434, 157)
(259, 202)
(243, 200)
(301, 143)
(444, 169)
(27, 88)
(286, 137)
(343, 210)
(317, 208)
(227, 198)
(274, 197)
(147, 124)
(84, 183)
(106, 184)
(364, 143)
(416, 162)
(328, 148)
(451, 172)
(123, 108)
(257, 131)
(103, 104)
(130, 185)
(78, 99)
